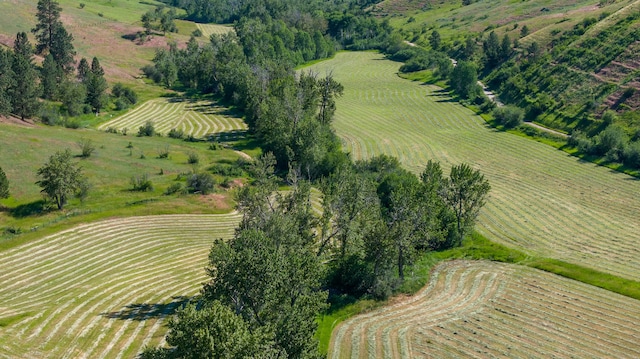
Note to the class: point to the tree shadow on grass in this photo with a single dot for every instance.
(144, 311)
(28, 209)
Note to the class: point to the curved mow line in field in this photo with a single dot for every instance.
(180, 115)
(488, 309)
(68, 279)
(542, 200)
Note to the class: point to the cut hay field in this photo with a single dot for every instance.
(543, 201)
(210, 29)
(489, 310)
(196, 118)
(103, 289)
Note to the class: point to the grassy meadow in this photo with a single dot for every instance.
(481, 309)
(543, 201)
(116, 160)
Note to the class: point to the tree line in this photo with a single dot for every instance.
(268, 284)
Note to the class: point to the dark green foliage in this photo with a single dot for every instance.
(6, 81)
(524, 31)
(492, 51)
(73, 95)
(83, 69)
(163, 153)
(465, 193)
(193, 158)
(141, 183)
(48, 17)
(201, 182)
(464, 80)
(60, 178)
(86, 146)
(62, 49)
(159, 19)
(50, 78)
(4, 185)
(96, 86)
(434, 40)
(213, 330)
(147, 129)
(174, 188)
(176, 133)
(509, 116)
(24, 90)
(124, 96)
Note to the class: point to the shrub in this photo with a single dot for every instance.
(200, 183)
(141, 183)
(111, 129)
(164, 152)
(214, 146)
(121, 104)
(508, 116)
(612, 139)
(226, 170)
(147, 129)
(174, 188)
(82, 5)
(193, 158)
(86, 147)
(176, 133)
(49, 115)
(196, 33)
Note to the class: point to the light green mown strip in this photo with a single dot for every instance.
(103, 289)
(543, 201)
(196, 118)
(210, 29)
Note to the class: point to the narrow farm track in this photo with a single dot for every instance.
(543, 201)
(196, 118)
(488, 310)
(102, 290)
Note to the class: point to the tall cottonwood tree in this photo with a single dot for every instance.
(24, 90)
(466, 193)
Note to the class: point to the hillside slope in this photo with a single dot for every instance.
(588, 57)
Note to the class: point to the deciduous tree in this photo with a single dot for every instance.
(466, 193)
(60, 177)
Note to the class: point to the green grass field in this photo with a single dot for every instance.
(543, 201)
(103, 289)
(109, 170)
(196, 118)
(480, 309)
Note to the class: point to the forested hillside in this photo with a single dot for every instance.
(569, 65)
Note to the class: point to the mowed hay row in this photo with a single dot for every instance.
(211, 29)
(473, 309)
(543, 201)
(196, 118)
(103, 290)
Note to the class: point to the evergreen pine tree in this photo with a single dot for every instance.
(24, 90)
(62, 49)
(4, 185)
(48, 20)
(96, 86)
(50, 78)
(6, 80)
(83, 69)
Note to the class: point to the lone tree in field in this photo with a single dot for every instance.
(466, 192)
(4, 185)
(60, 177)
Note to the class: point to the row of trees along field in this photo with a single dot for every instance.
(268, 284)
(80, 89)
